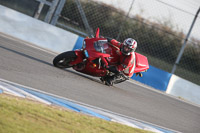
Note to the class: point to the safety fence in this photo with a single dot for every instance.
(159, 41)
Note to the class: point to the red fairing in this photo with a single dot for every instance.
(95, 52)
(80, 57)
(141, 63)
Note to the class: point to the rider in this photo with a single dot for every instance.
(126, 62)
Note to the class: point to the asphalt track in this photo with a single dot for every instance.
(22, 63)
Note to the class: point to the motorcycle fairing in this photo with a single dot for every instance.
(96, 55)
(141, 63)
(79, 58)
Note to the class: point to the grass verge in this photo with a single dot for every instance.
(19, 115)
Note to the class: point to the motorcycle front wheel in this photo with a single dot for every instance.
(62, 60)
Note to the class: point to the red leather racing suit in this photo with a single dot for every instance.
(126, 62)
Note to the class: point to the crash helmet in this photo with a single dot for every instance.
(128, 46)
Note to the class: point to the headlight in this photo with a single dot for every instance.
(84, 45)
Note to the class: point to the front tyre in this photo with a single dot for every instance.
(62, 60)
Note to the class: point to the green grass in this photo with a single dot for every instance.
(19, 115)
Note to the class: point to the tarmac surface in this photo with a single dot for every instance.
(31, 66)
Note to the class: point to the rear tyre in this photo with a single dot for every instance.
(62, 60)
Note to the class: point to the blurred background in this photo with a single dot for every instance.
(159, 26)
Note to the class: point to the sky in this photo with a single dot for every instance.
(179, 12)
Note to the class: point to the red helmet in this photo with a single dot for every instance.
(129, 45)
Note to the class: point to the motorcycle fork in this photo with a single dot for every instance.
(104, 61)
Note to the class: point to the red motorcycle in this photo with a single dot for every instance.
(94, 58)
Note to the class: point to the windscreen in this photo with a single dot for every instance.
(102, 46)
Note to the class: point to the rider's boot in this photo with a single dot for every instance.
(140, 74)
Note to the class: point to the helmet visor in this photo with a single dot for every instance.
(127, 49)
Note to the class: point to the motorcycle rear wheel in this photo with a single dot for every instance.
(62, 60)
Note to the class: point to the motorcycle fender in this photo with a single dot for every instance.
(79, 59)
